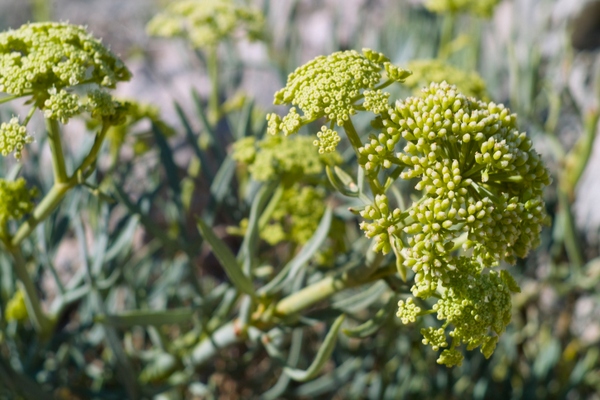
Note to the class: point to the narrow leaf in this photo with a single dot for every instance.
(250, 243)
(166, 157)
(128, 319)
(148, 222)
(330, 382)
(292, 268)
(362, 300)
(244, 125)
(208, 128)
(347, 188)
(191, 137)
(123, 240)
(219, 188)
(371, 326)
(227, 260)
(223, 178)
(279, 388)
(322, 357)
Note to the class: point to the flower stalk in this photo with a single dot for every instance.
(59, 56)
(56, 150)
(37, 316)
(289, 307)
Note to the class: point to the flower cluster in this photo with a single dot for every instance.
(479, 176)
(481, 185)
(383, 225)
(327, 141)
(205, 23)
(295, 162)
(482, 8)
(40, 56)
(13, 138)
(480, 180)
(61, 105)
(16, 200)
(61, 67)
(424, 72)
(274, 156)
(103, 107)
(476, 307)
(332, 87)
(296, 216)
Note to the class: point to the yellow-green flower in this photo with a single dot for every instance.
(64, 70)
(332, 87)
(13, 138)
(476, 307)
(16, 310)
(16, 200)
(205, 23)
(295, 217)
(38, 57)
(481, 184)
(61, 105)
(478, 174)
(291, 159)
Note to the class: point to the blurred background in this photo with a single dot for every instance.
(541, 58)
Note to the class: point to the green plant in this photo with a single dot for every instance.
(378, 214)
(481, 186)
(61, 71)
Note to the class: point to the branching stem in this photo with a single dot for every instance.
(357, 143)
(37, 316)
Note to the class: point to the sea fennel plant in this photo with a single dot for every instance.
(477, 182)
(60, 71)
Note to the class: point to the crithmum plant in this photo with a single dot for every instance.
(59, 71)
(449, 189)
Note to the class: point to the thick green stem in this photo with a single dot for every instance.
(357, 143)
(41, 10)
(58, 158)
(11, 98)
(212, 65)
(475, 44)
(571, 239)
(225, 336)
(234, 332)
(59, 190)
(446, 35)
(61, 186)
(328, 286)
(353, 136)
(38, 318)
(41, 212)
(266, 215)
(581, 153)
(92, 155)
